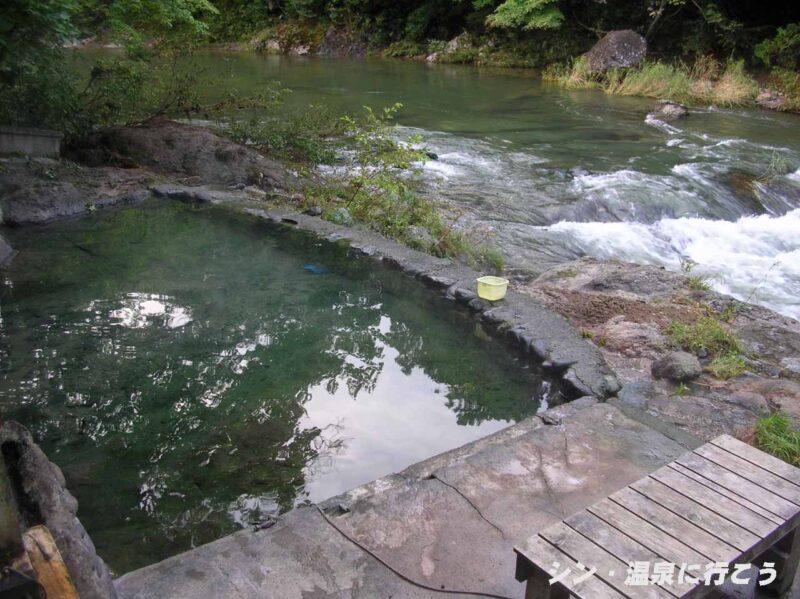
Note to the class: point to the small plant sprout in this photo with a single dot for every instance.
(682, 389)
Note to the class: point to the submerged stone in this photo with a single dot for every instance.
(666, 110)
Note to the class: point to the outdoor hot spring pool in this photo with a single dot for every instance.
(193, 370)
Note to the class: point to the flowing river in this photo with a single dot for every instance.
(553, 175)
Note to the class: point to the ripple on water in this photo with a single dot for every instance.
(140, 310)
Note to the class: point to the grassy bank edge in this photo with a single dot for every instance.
(706, 82)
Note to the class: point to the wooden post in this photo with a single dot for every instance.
(49, 567)
(786, 555)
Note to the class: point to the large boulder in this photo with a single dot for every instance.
(617, 49)
(175, 149)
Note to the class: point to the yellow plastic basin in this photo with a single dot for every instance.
(492, 288)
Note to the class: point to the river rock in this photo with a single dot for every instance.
(677, 366)
(666, 110)
(632, 339)
(271, 46)
(617, 49)
(457, 43)
(340, 42)
(751, 401)
(341, 216)
(6, 251)
(175, 149)
(771, 100)
(46, 495)
(38, 191)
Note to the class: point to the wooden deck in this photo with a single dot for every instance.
(725, 502)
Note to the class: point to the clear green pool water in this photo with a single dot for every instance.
(190, 375)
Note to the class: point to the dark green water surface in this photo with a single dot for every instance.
(191, 376)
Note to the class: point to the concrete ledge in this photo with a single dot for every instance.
(449, 522)
(522, 321)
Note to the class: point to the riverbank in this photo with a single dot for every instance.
(706, 82)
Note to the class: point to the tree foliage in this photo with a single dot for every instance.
(40, 88)
(524, 14)
(783, 50)
(135, 22)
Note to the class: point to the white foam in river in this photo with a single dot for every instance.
(756, 258)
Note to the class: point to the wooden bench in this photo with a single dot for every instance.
(725, 502)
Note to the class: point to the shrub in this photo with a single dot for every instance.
(783, 50)
(776, 435)
(378, 188)
(436, 46)
(404, 49)
(302, 136)
(788, 83)
(465, 55)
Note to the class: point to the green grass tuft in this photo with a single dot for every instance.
(727, 367)
(776, 435)
(699, 283)
(493, 258)
(707, 334)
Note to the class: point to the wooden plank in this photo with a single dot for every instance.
(676, 526)
(51, 571)
(714, 500)
(621, 546)
(753, 473)
(697, 514)
(759, 458)
(756, 509)
(740, 486)
(646, 534)
(610, 570)
(543, 555)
